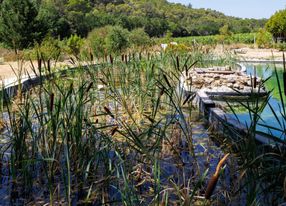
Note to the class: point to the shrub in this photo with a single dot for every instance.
(263, 39)
(97, 40)
(281, 46)
(74, 44)
(139, 38)
(276, 25)
(117, 40)
(225, 35)
(50, 49)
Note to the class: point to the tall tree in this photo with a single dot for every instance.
(52, 13)
(276, 25)
(19, 26)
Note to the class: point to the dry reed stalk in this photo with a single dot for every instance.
(213, 181)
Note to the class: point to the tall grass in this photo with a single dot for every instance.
(109, 134)
(262, 166)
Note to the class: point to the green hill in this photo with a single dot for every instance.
(22, 23)
(155, 16)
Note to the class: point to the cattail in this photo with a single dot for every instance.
(167, 81)
(122, 57)
(91, 56)
(187, 98)
(108, 112)
(102, 81)
(126, 59)
(162, 92)
(72, 60)
(255, 78)
(140, 56)
(186, 70)
(49, 66)
(152, 68)
(193, 64)
(71, 87)
(178, 63)
(213, 181)
(114, 130)
(52, 96)
(149, 118)
(89, 87)
(111, 59)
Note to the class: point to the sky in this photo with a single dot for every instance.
(239, 8)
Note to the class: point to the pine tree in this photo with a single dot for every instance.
(19, 27)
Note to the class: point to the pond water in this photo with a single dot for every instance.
(273, 113)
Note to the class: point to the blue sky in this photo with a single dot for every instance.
(239, 8)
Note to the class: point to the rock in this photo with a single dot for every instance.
(236, 86)
(208, 81)
(247, 89)
(216, 77)
(230, 85)
(231, 80)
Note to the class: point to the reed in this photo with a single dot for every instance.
(102, 134)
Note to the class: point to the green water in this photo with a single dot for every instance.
(273, 120)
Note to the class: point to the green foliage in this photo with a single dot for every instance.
(19, 26)
(139, 38)
(58, 18)
(74, 44)
(108, 40)
(117, 40)
(78, 15)
(246, 38)
(263, 39)
(225, 34)
(281, 46)
(49, 49)
(55, 23)
(97, 40)
(276, 25)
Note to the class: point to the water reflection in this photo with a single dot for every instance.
(273, 114)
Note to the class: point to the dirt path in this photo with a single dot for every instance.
(261, 54)
(13, 69)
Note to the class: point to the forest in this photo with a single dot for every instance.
(29, 21)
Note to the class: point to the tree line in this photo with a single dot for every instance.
(24, 22)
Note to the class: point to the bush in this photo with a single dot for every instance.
(139, 38)
(74, 44)
(276, 25)
(263, 39)
(117, 40)
(97, 40)
(281, 46)
(49, 49)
